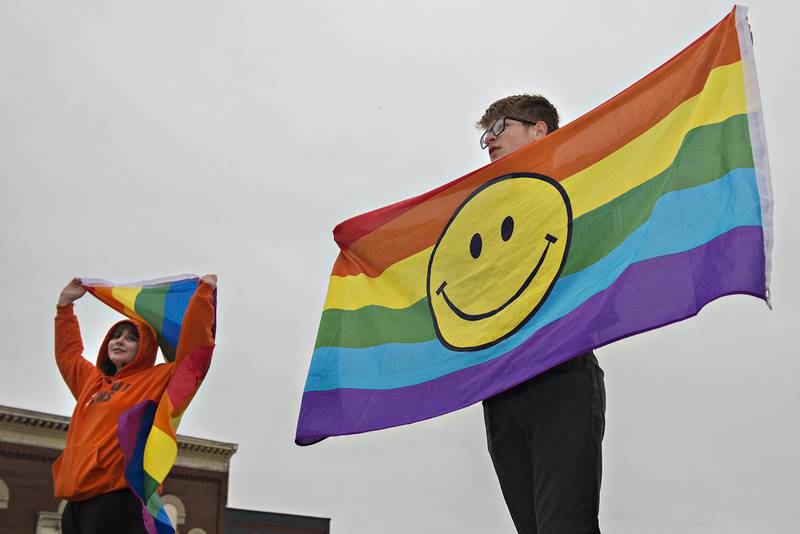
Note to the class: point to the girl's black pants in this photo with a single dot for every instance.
(118, 512)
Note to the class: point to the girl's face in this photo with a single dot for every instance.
(122, 348)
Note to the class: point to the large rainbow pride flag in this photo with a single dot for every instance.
(632, 217)
(147, 432)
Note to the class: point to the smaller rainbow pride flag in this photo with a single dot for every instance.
(160, 303)
(147, 432)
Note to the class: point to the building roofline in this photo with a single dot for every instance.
(58, 424)
(33, 418)
(278, 514)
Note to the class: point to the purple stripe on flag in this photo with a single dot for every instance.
(647, 295)
(127, 430)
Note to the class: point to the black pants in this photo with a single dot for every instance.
(118, 512)
(545, 439)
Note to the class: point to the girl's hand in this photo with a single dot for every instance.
(210, 280)
(72, 292)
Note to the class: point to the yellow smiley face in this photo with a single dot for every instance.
(497, 259)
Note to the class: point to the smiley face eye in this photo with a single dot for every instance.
(475, 246)
(507, 228)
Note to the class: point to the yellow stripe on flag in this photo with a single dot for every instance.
(127, 297)
(160, 452)
(399, 286)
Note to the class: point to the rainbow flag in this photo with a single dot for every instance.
(632, 217)
(147, 432)
(160, 303)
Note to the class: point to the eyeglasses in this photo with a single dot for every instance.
(498, 126)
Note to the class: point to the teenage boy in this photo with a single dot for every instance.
(545, 434)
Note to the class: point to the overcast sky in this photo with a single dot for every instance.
(144, 139)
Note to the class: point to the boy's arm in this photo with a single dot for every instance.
(75, 369)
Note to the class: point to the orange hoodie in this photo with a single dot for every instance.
(92, 462)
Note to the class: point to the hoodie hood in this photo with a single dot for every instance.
(145, 355)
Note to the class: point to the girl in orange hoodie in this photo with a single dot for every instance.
(90, 472)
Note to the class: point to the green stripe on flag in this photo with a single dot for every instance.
(366, 326)
(150, 305)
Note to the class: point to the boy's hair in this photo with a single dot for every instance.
(125, 327)
(532, 107)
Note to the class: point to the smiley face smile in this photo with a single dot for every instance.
(477, 317)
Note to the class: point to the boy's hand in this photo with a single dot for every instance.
(72, 292)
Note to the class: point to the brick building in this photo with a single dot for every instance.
(195, 492)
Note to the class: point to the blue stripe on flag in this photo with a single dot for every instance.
(175, 304)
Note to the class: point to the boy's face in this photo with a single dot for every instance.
(514, 136)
